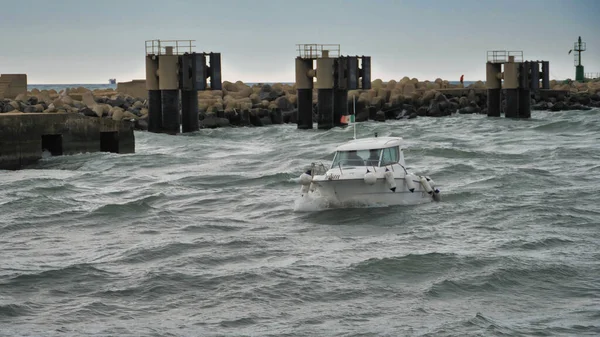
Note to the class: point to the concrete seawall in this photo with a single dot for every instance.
(25, 136)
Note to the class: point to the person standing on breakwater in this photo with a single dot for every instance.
(462, 77)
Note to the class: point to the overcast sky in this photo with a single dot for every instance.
(82, 41)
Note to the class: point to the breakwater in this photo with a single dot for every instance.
(26, 138)
(240, 104)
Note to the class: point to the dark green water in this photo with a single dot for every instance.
(202, 235)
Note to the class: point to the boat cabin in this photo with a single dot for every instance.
(377, 152)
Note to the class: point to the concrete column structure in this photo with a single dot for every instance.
(524, 90)
(352, 73)
(170, 70)
(214, 71)
(546, 75)
(340, 106)
(154, 94)
(304, 88)
(325, 89)
(340, 93)
(511, 86)
(534, 73)
(333, 76)
(168, 83)
(192, 77)
(365, 72)
(189, 111)
(493, 83)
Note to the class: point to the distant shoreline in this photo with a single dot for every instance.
(93, 86)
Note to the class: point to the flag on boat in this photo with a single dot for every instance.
(347, 119)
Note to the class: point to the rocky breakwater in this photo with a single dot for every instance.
(410, 98)
(98, 104)
(568, 95)
(238, 104)
(241, 105)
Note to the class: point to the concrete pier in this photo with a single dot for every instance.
(25, 136)
(173, 67)
(333, 76)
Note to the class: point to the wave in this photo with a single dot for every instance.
(16, 310)
(71, 274)
(500, 280)
(130, 207)
(421, 265)
(146, 254)
(544, 243)
(570, 125)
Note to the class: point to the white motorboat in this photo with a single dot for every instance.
(368, 171)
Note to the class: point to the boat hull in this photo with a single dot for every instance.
(356, 191)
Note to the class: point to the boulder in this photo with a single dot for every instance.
(583, 98)
(8, 108)
(284, 104)
(57, 103)
(21, 98)
(290, 116)
(467, 110)
(211, 121)
(51, 108)
(29, 108)
(32, 100)
(434, 109)
(44, 96)
(38, 108)
(377, 84)
(88, 99)
(67, 100)
(15, 105)
(141, 124)
(428, 96)
(362, 115)
(88, 112)
(409, 89)
(559, 106)
(116, 113)
(540, 106)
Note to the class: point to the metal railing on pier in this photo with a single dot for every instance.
(312, 51)
(592, 76)
(159, 47)
(502, 56)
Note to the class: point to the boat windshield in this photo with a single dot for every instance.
(357, 158)
(372, 157)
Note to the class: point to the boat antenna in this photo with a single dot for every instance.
(354, 115)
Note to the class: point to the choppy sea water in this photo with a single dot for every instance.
(202, 235)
